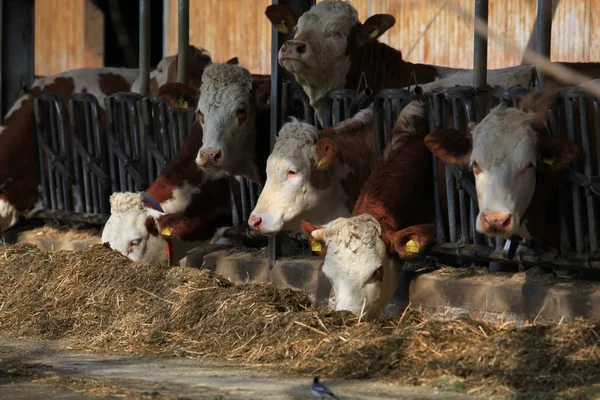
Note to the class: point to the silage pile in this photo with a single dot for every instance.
(102, 301)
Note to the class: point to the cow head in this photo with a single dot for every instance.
(226, 107)
(132, 229)
(166, 70)
(303, 181)
(361, 261)
(504, 151)
(324, 39)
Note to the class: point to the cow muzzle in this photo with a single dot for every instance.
(294, 50)
(497, 223)
(210, 157)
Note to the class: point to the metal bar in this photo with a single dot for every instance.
(575, 188)
(183, 40)
(587, 161)
(144, 51)
(480, 45)
(543, 33)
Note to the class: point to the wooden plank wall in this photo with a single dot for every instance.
(239, 27)
(68, 34)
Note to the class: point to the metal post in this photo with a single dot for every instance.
(17, 50)
(183, 29)
(543, 33)
(480, 53)
(480, 47)
(144, 60)
(278, 75)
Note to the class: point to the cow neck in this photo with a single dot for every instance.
(356, 154)
(384, 68)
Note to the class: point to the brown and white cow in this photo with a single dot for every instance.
(332, 49)
(231, 105)
(19, 173)
(315, 175)
(185, 203)
(392, 221)
(516, 164)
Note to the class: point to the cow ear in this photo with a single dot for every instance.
(411, 242)
(283, 18)
(178, 95)
(233, 61)
(326, 151)
(315, 236)
(151, 226)
(375, 26)
(557, 152)
(451, 146)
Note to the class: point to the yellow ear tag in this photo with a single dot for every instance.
(412, 246)
(316, 246)
(320, 163)
(181, 103)
(549, 161)
(374, 34)
(269, 100)
(281, 28)
(167, 230)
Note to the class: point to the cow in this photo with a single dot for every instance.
(332, 49)
(141, 225)
(19, 171)
(232, 108)
(392, 221)
(516, 165)
(315, 175)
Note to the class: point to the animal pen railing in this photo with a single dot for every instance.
(78, 175)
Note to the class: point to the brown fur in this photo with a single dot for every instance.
(112, 83)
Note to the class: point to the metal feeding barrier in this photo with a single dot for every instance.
(455, 220)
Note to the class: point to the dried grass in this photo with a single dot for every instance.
(102, 301)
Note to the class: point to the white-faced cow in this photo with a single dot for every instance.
(515, 163)
(232, 109)
(315, 175)
(185, 203)
(332, 49)
(392, 221)
(19, 172)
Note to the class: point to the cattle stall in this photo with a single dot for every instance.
(144, 134)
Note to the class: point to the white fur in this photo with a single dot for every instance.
(504, 146)
(502, 77)
(224, 88)
(354, 252)
(284, 202)
(324, 65)
(160, 73)
(8, 215)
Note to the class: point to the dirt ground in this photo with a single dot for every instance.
(100, 301)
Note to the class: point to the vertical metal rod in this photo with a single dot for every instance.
(480, 47)
(144, 52)
(183, 38)
(543, 33)
(144, 60)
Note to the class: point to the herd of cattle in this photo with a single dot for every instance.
(365, 214)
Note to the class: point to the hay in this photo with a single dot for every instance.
(102, 301)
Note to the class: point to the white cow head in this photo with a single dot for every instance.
(226, 107)
(362, 262)
(132, 229)
(362, 274)
(325, 38)
(505, 151)
(303, 181)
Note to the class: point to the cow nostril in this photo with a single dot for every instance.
(301, 48)
(218, 156)
(254, 222)
(506, 222)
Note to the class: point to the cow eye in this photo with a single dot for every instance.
(200, 116)
(476, 168)
(531, 165)
(241, 113)
(159, 70)
(134, 243)
(377, 275)
(291, 173)
(338, 34)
